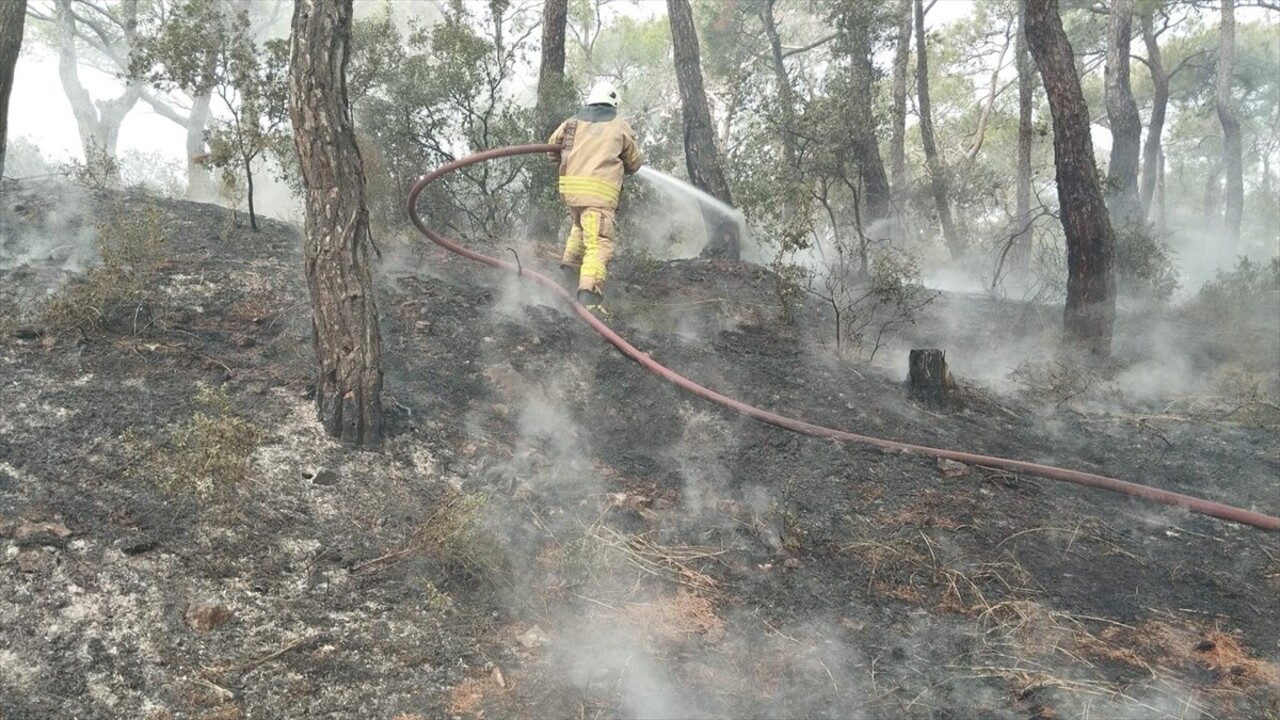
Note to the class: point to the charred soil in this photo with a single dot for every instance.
(549, 531)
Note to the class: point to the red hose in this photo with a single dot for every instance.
(1207, 507)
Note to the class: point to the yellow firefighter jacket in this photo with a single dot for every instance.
(596, 148)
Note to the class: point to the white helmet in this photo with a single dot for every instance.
(603, 93)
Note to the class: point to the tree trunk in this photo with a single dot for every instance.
(344, 312)
(702, 157)
(248, 177)
(1091, 304)
(1162, 214)
(898, 111)
(555, 100)
(1126, 125)
(877, 197)
(13, 14)
(786, 94)
(199, 186)
(1213, 201)
(1026, 99)
(937, 171)
(98, 122)
(1159, 104)
(1232, 161)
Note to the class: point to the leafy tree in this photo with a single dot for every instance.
(101, 35)
(205, 49)
(431, 95)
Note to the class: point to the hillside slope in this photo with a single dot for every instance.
(552, 532)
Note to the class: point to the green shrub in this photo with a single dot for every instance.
(1144, 263)
(1252, 288)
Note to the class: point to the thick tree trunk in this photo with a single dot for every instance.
(344, 313)
(702, 157)
(1232, 154)
(1159, 104)
(1022, 184)
(898, 111)
(13, 14)
(555, 101)
(1091, 304)
(1126, 125)
(98, 122)
(937, 170)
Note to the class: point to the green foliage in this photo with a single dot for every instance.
(213, 449)
(434, 94)
(204, 48)
(1144, 263)
(120, 292)
(1247, 295)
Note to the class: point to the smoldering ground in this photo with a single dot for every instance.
(550, 531)
(653, 640)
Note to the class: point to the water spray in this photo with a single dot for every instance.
(1166, 497)
(674, 186)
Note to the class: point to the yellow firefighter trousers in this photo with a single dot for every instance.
(590, 245)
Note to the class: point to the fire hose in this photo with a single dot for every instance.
(1193, 504)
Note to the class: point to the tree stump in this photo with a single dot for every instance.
(928, 381)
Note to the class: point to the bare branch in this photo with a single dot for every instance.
(789, 51)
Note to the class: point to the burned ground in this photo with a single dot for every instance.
(550, 531)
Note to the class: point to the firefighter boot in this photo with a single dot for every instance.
(594, 302)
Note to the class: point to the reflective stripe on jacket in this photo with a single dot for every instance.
(597, 147)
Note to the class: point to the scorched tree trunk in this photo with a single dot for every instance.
(1091, 286)
(12, 15)
(555, 102)
(702, 156)
(344, 315)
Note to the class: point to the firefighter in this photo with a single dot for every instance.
(596, 149)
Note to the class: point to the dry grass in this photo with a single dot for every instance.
(1184, 647)
(674, 617)
(465, 698)
(454, 533)
(1031, 647)
(1098, 663)
(670, 562)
